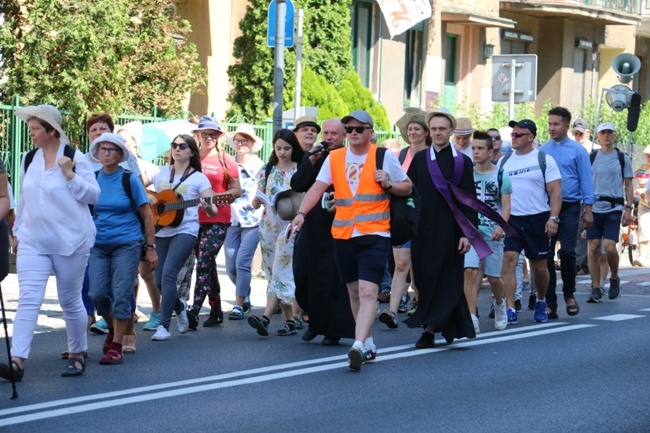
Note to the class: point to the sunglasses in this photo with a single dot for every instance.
(518, 134)
(182, 145)
(358, 129)
(213, 136)
(496, 137)
(109, 150)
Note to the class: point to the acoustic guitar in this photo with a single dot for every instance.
(170, 208)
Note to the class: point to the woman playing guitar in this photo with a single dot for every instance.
(175, 244)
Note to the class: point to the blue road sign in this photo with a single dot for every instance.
(288, 24)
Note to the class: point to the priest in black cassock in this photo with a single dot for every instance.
(319, 290)
(439, 247)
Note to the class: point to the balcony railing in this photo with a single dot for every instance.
(630, 6)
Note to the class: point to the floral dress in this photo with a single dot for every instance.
(277, 253)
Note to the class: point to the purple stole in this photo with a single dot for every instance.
(450, 188)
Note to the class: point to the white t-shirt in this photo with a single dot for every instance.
(190, 189)
(529, 196)
(353, 165)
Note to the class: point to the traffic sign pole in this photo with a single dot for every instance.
(278, 70)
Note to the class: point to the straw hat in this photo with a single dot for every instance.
(463, 126)
(108, 137)
(247, 130)
(48, 113)
(306, 121)
(287, 204)
(411, 115)
(442, 111)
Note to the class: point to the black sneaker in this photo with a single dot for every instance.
(193, 319)
(596, 295)
(532, 300)
(426, 341)
(614, 288)
(518, 305)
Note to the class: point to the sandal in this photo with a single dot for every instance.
(128, 343)
(75, 367)
(573, 309)
(65, 354)
(112, 357)
(108, 342)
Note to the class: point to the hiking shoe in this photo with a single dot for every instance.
(161, 334)
(512, 316)
(532, 299)
(182, 322)
(152, 323)
(614, 288)
(389, 319)
(260, 324)
(541, 314)
(289, 328)
(403, 304)
(426, 341)
(518, 305)
(413, 309)
(99, 327)
(491, 315)
(237, 313)
(475, 322)
(193, 319)
(500, 316)
(596, 295)
(246, 307)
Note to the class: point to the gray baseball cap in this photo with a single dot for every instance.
(360, 115)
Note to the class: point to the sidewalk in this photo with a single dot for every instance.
(51, 317)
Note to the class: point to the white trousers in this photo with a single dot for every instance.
(33, 272)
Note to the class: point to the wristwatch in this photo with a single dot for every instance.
(390, 185)
(151, 246)
(630, 207)
(555, 219)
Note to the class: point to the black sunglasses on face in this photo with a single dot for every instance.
(358, 129)
(182, 145)
(496, 137)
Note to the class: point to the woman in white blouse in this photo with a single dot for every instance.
(53, 232)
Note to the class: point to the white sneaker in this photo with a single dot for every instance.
(475, 322)
(500, 315)
(161, 334)
(182, 321)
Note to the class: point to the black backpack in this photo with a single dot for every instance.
(126, 185)
(68, 151)
(404, 211)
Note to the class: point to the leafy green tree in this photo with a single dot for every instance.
(357, 97)
(87, 56)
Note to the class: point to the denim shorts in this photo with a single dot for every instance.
(359, 259)
(606, 225)
(530, 236)
(493, 262)
(112, 270)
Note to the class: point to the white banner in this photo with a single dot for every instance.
(401, 15)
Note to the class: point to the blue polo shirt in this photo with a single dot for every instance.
(573, 161)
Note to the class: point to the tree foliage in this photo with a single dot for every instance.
(86, 56)
(327, 58)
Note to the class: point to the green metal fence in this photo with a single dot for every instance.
(15, 141)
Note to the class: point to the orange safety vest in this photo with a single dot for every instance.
(369, 209)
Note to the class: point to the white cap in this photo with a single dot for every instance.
(605, 126)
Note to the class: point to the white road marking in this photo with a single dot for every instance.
(268, 374)
(645, 309)
(619, 317)
(646, 283)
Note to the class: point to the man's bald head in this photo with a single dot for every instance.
(333, 133)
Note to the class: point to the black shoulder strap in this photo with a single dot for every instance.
(68, 151)
(28, 158)
(500, 179)
(381, 152)
(621, 160)
(402, 155)
(592, 156)
(504, 159)
(541, 159)
(267, 171)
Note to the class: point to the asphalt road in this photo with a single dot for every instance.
(585, 373)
